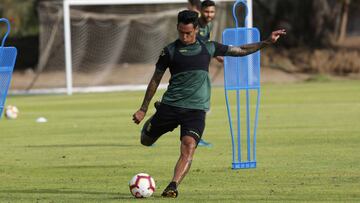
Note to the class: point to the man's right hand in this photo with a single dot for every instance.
(138, 116)
(275, 35)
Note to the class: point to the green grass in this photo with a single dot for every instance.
(308, 149)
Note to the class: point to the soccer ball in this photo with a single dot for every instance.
(142, 185)
(11, 112)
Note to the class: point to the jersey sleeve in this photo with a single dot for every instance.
(220, 49)
(164, 59)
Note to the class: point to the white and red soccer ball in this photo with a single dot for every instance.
(142, 185)
(11, 112)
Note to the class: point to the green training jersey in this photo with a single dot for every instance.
(189, 85)
(204, 31)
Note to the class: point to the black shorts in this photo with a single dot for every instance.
(167, 118)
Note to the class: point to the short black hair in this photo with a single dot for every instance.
(187, 17)
(207, 3)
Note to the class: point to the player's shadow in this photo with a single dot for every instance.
(89, 166)
(85, 195)
(78, 145)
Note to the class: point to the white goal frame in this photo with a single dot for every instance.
(67, 26)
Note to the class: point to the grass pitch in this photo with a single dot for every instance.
(308, 149)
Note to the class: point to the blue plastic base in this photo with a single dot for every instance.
(244, 165)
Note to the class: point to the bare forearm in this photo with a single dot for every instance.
(151, 90)
(247, 48)
(251, 48)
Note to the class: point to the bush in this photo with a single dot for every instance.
(22, 16)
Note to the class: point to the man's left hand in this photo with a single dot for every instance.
(138, 116)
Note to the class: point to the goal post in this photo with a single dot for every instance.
(67, 29)
(67, 25)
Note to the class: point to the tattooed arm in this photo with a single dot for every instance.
(251, 48)
(246, 49)
(150, 92)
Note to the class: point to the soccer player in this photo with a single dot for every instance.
(207, 15)
(188, 95)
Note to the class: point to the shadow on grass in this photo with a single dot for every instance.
(319, 78)
(101, 195)
(89, 166)
(78, 145)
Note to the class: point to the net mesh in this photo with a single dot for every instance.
(7, 61)
(111, 45)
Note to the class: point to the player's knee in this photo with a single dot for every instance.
(145, 140)
(188, 142)
(188, 146)
(145, 143)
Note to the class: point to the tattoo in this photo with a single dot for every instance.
(151, 89)
(186, 170)
(246, 49)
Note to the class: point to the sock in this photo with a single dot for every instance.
(173, 184)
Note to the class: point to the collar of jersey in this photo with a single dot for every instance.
(181, 45)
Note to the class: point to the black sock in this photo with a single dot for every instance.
(172, 184)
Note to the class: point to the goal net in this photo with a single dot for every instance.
(112, 45)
